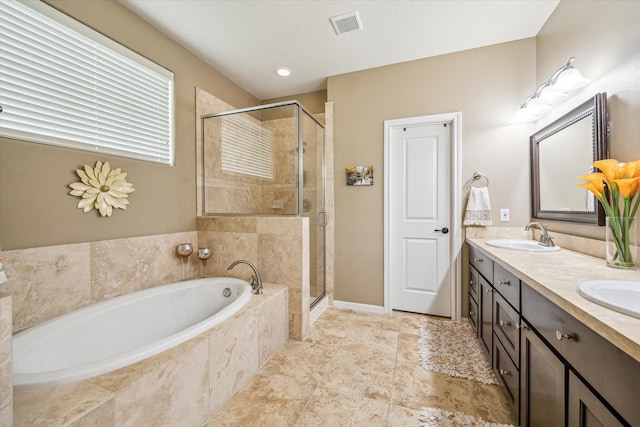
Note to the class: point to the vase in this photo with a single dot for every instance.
(622, 242)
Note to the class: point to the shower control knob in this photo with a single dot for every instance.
(444, 230)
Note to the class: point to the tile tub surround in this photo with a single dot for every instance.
(183, 386)
(557, 276)
(355, 369)
(278, 246)
(86, 273)
(6, 390)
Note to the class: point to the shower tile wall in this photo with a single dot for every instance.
(49, 281)
(277, 246)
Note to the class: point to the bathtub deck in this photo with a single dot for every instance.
(183, 386)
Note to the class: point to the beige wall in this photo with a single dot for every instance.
(486, 85)
(604, 37)
(35, 209)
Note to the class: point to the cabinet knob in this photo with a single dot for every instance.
(560, 336)
(471, 282)
(488, 290)
(472, 314)
(504, 323)
(504, 372)
(504, 282)
(478, 260)
(521, 326)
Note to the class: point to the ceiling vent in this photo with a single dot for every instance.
(346, 23)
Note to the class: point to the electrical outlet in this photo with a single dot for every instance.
(504, 215)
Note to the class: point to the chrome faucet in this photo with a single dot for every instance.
(256, 282)
(545, 239)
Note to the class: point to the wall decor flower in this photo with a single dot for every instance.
(616, 186)
(102, 188)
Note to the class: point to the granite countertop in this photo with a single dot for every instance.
(556, 275)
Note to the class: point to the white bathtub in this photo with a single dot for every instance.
(118, 332)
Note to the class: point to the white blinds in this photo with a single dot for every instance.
(247, 147)
(64, 84)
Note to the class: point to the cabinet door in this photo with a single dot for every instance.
(542, 382)
(485, 321)
(586, 409)
(473, 283)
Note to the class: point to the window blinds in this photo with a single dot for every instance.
(64, 84)
(247, 147)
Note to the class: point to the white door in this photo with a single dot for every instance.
(419, 215)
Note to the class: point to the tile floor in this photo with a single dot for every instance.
(356, 369)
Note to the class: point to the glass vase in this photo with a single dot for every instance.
(622, 242)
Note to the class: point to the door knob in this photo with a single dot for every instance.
(444, 230)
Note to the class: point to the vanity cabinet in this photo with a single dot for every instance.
(555, 370)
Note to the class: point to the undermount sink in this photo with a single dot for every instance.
(522, 245)
(618, 295)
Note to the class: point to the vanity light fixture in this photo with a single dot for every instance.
(283, 71)
(566, 79)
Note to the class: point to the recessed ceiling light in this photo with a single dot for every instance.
(283, 71)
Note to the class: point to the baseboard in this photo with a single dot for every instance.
(318, 309)
(359, 307)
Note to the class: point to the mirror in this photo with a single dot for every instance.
(560, 153)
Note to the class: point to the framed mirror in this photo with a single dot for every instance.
(560, 153)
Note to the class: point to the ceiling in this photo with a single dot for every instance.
(247, 40)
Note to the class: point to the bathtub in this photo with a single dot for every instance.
(118, 332)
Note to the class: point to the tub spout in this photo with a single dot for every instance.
(256, 282)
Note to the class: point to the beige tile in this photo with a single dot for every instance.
(39, 276)
(354, 373)
(126, 265)
(329, 408)
(415, 387)
(303, 361)
(168, 389)
(267, 400)
(399, 416)
(408, 349)
(491, 404)
(380, 343)
(233, 348)
(273, 325)
(280, 259)
(61, 405)
(6, 377)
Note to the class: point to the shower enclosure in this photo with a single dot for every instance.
(268, 160)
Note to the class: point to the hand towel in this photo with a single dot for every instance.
(478, 207)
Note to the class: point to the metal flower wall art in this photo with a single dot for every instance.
(102, 188)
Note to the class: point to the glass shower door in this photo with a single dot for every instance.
(313, 200)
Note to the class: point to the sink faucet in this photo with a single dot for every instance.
(545, 239)
(256, 282)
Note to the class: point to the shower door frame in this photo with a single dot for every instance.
(300, 178)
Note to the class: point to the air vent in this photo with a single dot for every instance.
(346, 23)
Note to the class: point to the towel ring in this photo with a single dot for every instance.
(478, 176)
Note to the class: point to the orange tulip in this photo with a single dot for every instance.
(627, 187)
(596, 180)
(611, 169)
(632, 169)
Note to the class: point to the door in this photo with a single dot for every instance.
(586, 409)
(419, 218)
(542, 383)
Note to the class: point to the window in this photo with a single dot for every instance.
(67, 85)
(247, 147)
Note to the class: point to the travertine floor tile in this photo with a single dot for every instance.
(490, 404)
(399, 416)
(415, 387)
(266, 400)
(332, 408)
(359, 374)
(303, 361)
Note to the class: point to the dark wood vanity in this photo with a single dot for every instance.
(555, 370)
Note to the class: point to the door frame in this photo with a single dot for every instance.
(455, 221)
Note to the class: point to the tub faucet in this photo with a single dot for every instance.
(545, 239)
(256, 282)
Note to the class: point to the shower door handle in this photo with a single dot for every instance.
(321, 218)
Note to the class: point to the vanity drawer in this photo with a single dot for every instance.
(507, 285)
(613, 373)
(507, 373)
(481, 262)
(473, 283)
(473, 313)
(505, 326)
